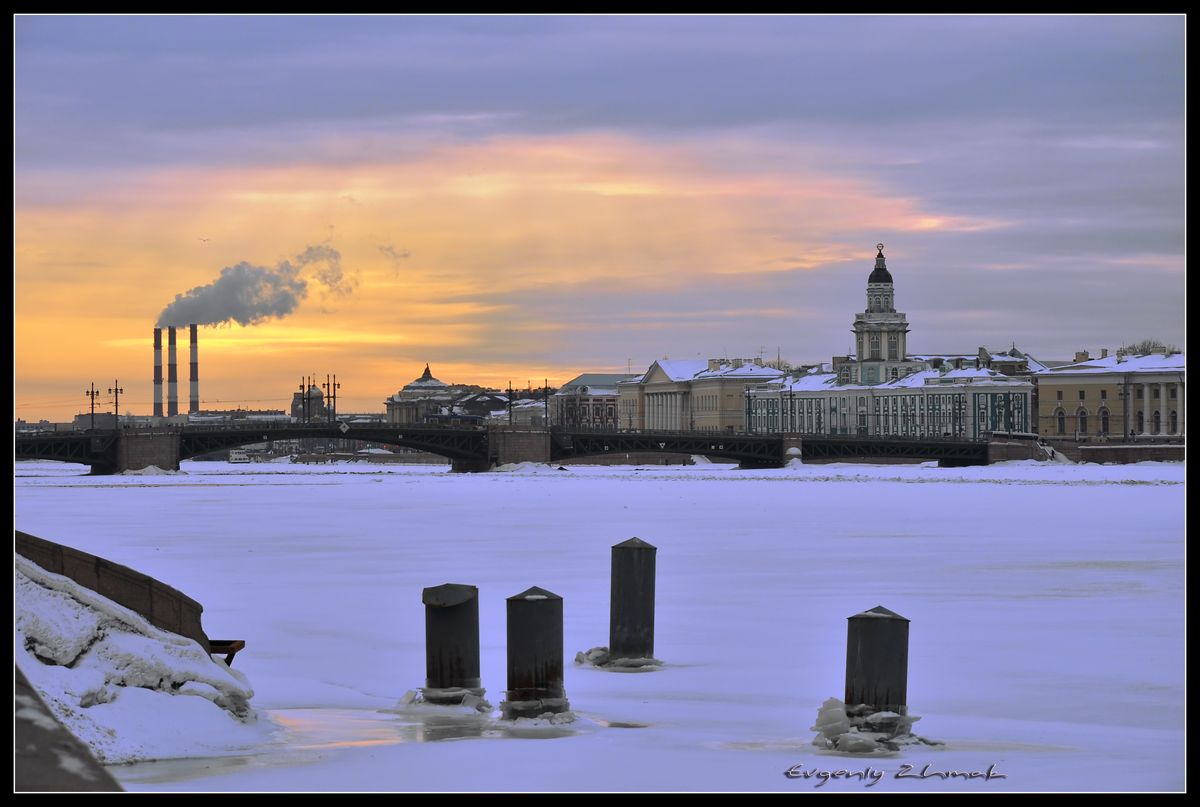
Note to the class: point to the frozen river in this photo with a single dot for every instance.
(1047, 608)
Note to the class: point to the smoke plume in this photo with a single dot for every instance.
(249, 294)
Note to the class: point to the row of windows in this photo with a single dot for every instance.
(875, 351)
(1082, 422)
(909, 415)
(1173, 393)
(1083, 395)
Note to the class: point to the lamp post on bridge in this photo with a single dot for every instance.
(116, 391)
(91, 393)
(330, 397)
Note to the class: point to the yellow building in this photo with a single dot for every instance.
(691, 395)
(1120, 397)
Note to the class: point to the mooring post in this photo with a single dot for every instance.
(877, 661)
(535, 655)
(631, 605)
(451, 642)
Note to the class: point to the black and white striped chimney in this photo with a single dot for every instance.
(158, 372)
(172, 376)
(194, 396)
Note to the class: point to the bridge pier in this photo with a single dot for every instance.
(462, 466)
(763, 463)
(512, 444)
(958, 463)
(137, 450)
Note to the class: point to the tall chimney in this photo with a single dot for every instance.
(194, 398)
(158, 372)
(172, 377)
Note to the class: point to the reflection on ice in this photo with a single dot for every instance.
(306, 731)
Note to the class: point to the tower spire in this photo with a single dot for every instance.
(881, 273)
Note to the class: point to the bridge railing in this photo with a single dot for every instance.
(948, 438)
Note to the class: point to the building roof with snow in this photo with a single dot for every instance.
(598, 384)
(681, 369)
(425, 382)
(1121, 363)
(744, 369)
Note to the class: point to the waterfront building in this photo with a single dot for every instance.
(691, 395)
(883, 391)
(1138, 397)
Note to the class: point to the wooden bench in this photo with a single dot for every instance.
(229, 647)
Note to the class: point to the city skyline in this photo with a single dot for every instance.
(519, 198)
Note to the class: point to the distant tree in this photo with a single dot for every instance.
(1149, 346)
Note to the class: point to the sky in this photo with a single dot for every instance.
(528, 198)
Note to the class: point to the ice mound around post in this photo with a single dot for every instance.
(861, 730)
(126, 689)
(600, 657)
(458, 699)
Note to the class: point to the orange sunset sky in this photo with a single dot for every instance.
(528, 198)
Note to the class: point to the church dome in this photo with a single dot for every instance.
(880, 274)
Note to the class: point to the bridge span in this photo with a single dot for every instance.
(481, 448)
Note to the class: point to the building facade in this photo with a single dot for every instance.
(588, 401)
(691, 395)
(418, 399)
(885, 392)
(1119, 397)
(956, 404)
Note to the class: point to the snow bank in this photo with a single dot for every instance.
(528, 468)
(149, 470)
(126, 689)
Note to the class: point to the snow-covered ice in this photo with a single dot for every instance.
(1046, 603)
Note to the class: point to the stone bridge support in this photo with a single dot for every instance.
(511, 444)
(141, 449)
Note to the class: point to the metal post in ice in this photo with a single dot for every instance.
(451, 642)
(631, 606)
(535, 655)
(877, 661)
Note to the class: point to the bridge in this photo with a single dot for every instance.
(481, 448)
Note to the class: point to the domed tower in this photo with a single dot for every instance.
(880, 332)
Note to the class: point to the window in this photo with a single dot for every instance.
(894, 373)
(1139, 393)
(1061, 416)
(1104, 421)
(1082, 395)
(1174, 394)
(1059, 395)
(1104, 395)
(1083, 424)
(1174, 422)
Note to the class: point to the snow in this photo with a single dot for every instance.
(1149, 363)
(1046, 605)
(128, 690)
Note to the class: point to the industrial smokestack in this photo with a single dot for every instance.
(172, 377)
(194, 397)
(158, 372)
